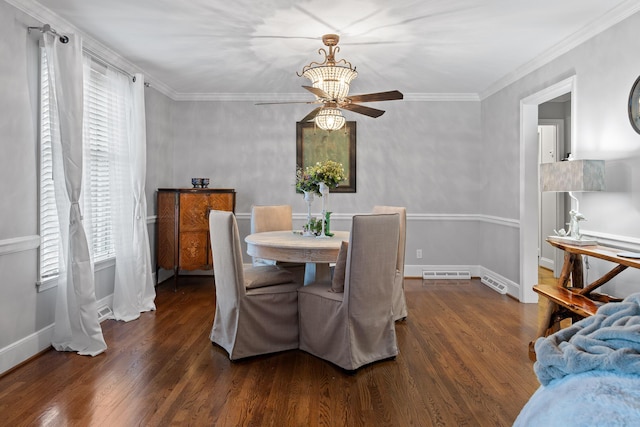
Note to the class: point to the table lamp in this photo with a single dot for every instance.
(572, 176)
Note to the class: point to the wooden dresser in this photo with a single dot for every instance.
(183, 227)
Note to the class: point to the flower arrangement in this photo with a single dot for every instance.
(329, 172)
(314, 226)
(305, 181)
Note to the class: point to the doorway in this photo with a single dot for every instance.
(551, 205)
(529, 187)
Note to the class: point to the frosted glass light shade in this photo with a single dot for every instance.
(330, 119)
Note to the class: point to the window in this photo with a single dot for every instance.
(49, 229)
(100, 133)
(104, 127)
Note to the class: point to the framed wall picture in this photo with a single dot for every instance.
(317, 145)
(634, 106)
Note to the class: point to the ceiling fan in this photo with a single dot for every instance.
(330, 81)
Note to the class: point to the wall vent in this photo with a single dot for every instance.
(446, 275)
(494, 284)
(104, 313)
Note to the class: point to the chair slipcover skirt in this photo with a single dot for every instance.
(399, 302)
(356, 327)
(248, 322)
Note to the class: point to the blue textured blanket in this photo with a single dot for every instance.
(596, 398)
(607, 341)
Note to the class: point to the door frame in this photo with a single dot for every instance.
(529, 229)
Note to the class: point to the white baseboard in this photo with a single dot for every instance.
(16, 353)
(168, 274)
(547, 263)
(416, 270)
(162, 275)
(513, 289)
(21, 350)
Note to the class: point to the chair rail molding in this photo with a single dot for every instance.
(490, 219)
(19, 244)
(614, 240)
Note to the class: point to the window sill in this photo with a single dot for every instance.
(52, 282)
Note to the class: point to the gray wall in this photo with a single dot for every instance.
(22, 310)
(26, 315)
(422, 155)
(160, 143)
(416, 155)
(605, 69)
(454, 165)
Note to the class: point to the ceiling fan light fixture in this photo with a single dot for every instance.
(330, 119)
(334, 80)
(330, 81)
(332, 76)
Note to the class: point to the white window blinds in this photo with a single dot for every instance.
(49, 228)
(102, 126)
(105, 125)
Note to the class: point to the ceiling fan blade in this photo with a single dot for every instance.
(286, 102)
(367, 111)
(380, 96)
(311, 115)
(317, 92)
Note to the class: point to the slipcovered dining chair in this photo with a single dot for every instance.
(355, 326)
(274, 218)
(399, 301)
(256, 307)
(270, 218)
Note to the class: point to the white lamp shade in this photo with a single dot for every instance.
(572, 175)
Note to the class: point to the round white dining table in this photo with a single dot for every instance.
(291, 246)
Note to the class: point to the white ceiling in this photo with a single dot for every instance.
(207, 48)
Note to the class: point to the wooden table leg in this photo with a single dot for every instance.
(545, 324)
(549, 323)
(577, 278)
(565, 274)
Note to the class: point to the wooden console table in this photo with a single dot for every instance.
(183, 227)
(570, 298)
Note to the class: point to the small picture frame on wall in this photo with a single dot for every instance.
(634, 105)
(317, 145)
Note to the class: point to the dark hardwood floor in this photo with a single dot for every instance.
(463, 362)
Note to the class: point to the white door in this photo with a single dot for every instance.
(551, 206)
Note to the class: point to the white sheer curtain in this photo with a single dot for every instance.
(76, 318)
(133, 290)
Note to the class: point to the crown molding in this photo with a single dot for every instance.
(245, 97)
(304, 97)
(44, 15)
(611, 18)
(444, 97)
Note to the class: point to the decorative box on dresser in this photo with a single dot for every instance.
(183, 227)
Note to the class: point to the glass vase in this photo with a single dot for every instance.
(327, 224)
(308, 197)
(324, 191)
